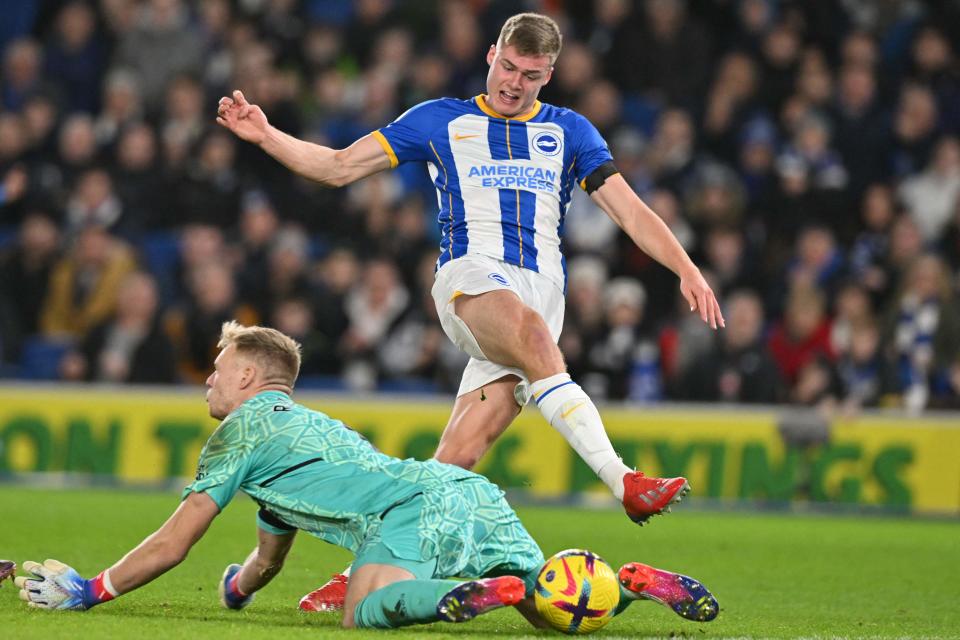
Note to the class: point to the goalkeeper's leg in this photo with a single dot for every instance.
(403, 600)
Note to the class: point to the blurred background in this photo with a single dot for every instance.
(806, 155)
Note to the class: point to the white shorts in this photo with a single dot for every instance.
(473, 275)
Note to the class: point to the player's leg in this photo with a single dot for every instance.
(366, 580)
(476, 421)
(479, 304)
(405, 602)
(372, 600)
(509, 333)
(512, 334)
(394, 592)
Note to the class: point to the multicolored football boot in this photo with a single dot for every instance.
(686, 596)
(644, 496)
(329, 597)
(468, 600)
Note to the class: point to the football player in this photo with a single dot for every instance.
(504, 165)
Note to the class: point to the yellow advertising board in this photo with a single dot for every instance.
(147, 437)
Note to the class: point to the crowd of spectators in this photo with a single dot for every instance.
(806, 154)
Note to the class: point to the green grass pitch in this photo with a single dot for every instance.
(774, 575)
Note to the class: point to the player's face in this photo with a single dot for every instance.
(225, 383)
(514, 81)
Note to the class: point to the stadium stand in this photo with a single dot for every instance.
(805, 153)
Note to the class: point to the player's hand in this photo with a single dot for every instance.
(700, 297)
(52, 585)
(242, 118)
(230, 597)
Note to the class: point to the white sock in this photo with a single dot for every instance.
(572, 413)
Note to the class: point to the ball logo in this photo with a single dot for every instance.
(546, 143)
(496, 277)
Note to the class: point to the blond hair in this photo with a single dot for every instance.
(532, 34)
(277, 353)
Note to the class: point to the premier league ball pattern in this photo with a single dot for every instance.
(577, 592)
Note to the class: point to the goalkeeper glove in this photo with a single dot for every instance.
(54, 585)
(230, 595)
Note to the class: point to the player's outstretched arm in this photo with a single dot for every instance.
(55, 585)
(652, 235)
(329, 167)
(240, 582)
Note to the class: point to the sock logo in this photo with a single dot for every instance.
(399, 613)
(572, 409)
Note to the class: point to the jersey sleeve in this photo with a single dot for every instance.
(224, 464)
(406, 138)
(592, 150)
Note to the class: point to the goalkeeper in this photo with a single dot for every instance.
(410, 524)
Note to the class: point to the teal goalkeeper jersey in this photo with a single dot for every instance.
(310, 471)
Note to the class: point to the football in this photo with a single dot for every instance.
(577, 592)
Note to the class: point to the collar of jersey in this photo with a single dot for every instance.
(270, 395)
(481, 101)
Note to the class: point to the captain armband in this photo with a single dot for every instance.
(596, 179)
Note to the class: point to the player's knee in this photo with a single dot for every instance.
(537, 348)
(464, 456)
(468, 460)
(532, 331)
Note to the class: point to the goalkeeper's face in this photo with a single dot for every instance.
(227, 384)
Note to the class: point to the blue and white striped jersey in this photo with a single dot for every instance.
(503, 184)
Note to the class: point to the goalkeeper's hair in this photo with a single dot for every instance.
(276, 352)
(532, 34)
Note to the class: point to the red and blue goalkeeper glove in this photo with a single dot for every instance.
(54, 585)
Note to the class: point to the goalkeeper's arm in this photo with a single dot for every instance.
(239, 583)
(57, 586)
(168, 546)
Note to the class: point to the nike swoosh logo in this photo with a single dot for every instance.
(571, 410)
(458, 136)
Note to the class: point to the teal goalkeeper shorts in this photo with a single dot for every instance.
(466, 529)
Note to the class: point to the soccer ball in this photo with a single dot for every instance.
(577, 592)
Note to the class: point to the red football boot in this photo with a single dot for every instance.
(329, 597)
(644, 496)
